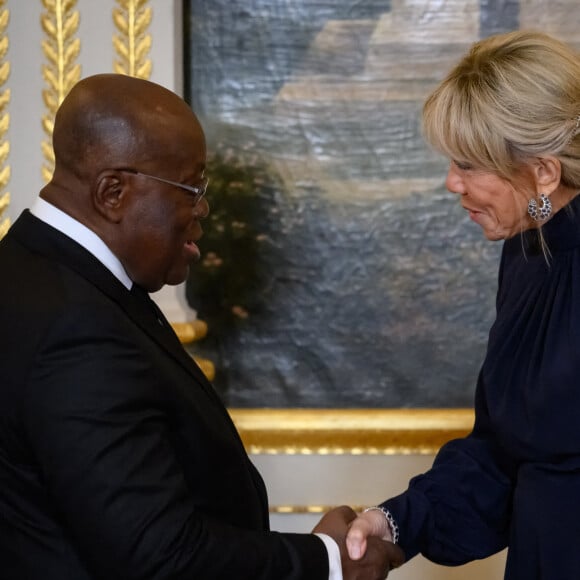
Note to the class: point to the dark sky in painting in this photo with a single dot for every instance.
(248, 38)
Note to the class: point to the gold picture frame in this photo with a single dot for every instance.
(350, 431)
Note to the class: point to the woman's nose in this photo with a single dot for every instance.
(454, 182)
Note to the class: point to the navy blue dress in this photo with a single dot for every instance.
(515, 480)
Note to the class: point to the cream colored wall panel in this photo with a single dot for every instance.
(26, 107)
(96, 33)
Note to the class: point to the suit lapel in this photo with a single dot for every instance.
(45, 240)
(149, 317)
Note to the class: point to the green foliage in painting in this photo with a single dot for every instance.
(226, 286)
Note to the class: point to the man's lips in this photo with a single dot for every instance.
(191, 247)
(192, 250)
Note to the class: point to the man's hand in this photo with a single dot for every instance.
(379, 557)
(335, 523)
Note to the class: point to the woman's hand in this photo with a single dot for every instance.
(370, 523)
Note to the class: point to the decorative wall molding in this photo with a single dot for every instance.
(4, 119)
(61, 48)
(308, 509)
(133, 44)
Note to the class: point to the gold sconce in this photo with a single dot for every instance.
(189, 332)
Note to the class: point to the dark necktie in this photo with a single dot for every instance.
(148, 308)
(148, 305)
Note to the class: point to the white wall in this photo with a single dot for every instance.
(292, 480)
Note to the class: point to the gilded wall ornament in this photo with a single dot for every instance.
(4, 119)
(349, 431)
(61, 48)
(132, 19)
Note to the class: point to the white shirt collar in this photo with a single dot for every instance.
(67, 225)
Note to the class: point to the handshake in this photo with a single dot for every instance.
(367, 551)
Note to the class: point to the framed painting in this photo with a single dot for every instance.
(337, 271)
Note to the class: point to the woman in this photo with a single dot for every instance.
(508, 118)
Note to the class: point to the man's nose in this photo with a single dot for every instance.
(201, 209)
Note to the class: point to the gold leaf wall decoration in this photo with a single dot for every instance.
(4, 119)
(132, 45)
(61, 48)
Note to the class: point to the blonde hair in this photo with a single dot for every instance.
(512, 97)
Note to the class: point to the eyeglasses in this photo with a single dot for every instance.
(198, 191)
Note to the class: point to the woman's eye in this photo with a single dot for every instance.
(463, 166)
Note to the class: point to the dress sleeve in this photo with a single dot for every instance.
(459, 510)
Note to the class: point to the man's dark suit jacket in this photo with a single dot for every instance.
(117, 459)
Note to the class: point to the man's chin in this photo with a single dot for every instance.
(176, 278)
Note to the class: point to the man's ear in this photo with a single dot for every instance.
(110, 194)
(547, 174)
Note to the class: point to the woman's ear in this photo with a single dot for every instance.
(110, 194)
(547, 174)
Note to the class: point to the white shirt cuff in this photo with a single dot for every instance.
(334, 564)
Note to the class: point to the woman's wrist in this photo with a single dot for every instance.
(391, 529)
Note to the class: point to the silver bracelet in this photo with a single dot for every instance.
(390, 521)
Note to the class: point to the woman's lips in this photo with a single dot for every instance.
(473, 214)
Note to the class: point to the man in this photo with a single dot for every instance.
(117, 459)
